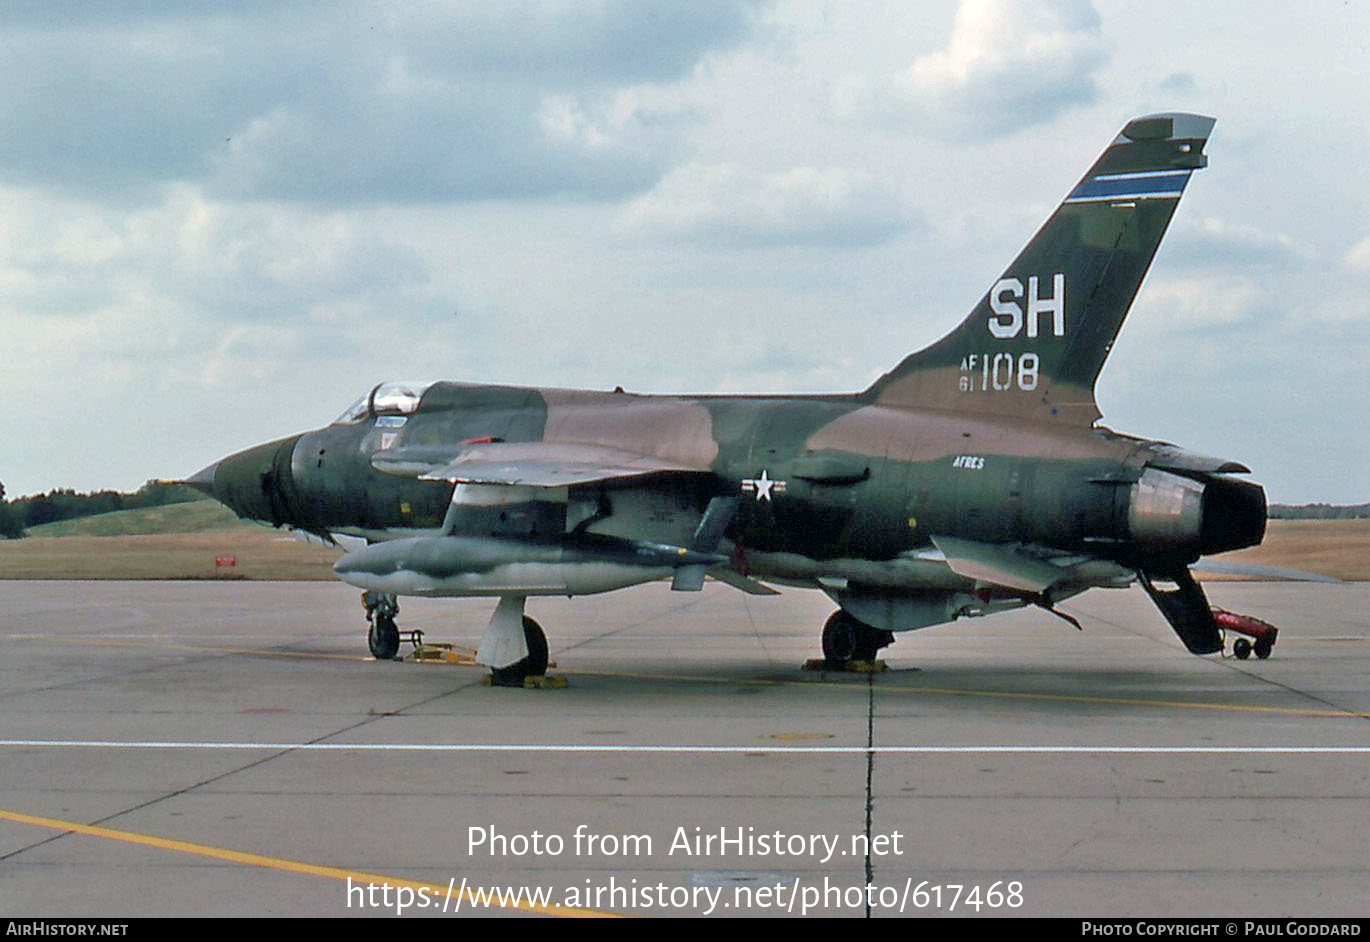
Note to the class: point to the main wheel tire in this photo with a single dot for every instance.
(1263, 647)
(846, 639)
(534, 665)
(839, 639)
(384, 638)
(1241, 648)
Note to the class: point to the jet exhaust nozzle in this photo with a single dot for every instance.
(1173, 514)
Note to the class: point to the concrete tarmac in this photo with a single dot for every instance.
(230, 749)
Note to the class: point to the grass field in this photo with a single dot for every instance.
(178, 541)
(1339, 548)
(193, 517)
(182, 541)
(259, 553)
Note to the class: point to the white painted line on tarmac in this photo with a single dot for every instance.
(553, 748)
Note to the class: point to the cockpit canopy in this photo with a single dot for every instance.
(393, 398)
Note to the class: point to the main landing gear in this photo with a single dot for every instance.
(534, 665)
(845, 640)
(513, 646)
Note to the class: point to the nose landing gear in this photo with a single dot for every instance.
(383, 637)
(526, 667)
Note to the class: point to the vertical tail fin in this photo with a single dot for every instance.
(1034, 345)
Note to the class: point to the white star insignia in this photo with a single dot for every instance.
(763, 486)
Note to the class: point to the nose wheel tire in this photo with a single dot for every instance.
(383, 638)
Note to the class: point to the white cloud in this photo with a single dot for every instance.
(89, 286)
(368, 103)
(1345, 311)
(1359, 255)
(1008, 64)
(1169, 306)
(1213, 242)
(730, 204)
(563, 119)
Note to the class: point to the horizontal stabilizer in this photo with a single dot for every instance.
(999, 564)
(1226, 567)
(1170, 458)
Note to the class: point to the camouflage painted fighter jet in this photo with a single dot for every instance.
(970, 479)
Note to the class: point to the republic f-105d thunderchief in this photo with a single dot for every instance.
(970, 479)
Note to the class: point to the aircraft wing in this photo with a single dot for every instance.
(529, 464)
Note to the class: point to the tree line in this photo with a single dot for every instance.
(66, 504)
(1319, 511)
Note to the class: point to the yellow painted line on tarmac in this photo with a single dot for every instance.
(245, 858)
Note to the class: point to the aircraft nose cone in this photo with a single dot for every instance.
(256, 484)
(203, 480)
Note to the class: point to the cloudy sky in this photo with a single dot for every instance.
(222, 223)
